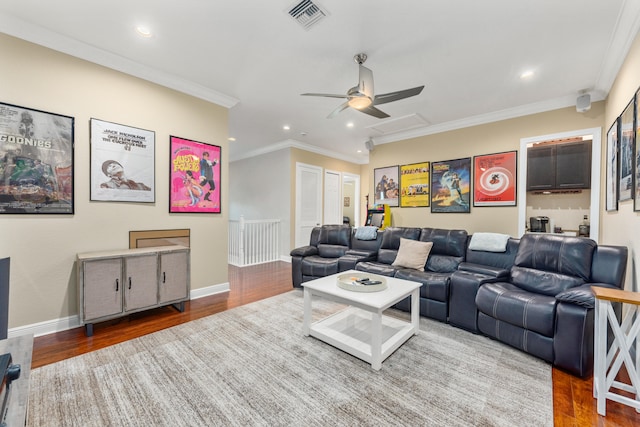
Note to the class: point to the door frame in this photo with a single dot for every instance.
(356, 179)
(325, 196)
(596, 154)
(298, 219)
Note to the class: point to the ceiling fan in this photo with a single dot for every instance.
(362, 98)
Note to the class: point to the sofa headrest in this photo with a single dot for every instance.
(610, 265)
(392, 235)
(445, 242)
(335, 235)
(570, 256)
(496, 259)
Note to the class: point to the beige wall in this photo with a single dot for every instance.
(622, 227)
(43, 248)
(468, 142)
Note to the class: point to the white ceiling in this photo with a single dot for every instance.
(251, 56)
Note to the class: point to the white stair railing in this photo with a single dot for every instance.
(253, 241)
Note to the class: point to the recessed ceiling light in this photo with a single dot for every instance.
(231, 139)
(143, 31)
(350, 124)
(527, 74)
(286, 127)
(359, 151)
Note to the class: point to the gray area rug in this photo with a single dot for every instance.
(252, 366)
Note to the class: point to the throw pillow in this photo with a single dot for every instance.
(412, 254)
(490, 242)
(367, 233)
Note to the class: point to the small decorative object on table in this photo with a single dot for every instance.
(361, 282)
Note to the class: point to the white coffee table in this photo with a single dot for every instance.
(362, 330)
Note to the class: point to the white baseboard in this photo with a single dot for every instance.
(46, 327)
(285, 258)
(209, 290)
(63, 324)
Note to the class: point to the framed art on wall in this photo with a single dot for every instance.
(636, 157)
(414, 185)
(626, 140)
(386, 186)
(612, 181)
(122, 163)
(450, 186)
(194, 178)
(494, 179)
(36, 161)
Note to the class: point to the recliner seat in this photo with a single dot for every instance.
(545, 306)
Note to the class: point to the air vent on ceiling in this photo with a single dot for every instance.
(307, 13)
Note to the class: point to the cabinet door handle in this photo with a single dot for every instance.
(117, 284)
(164, 277)
(129, 282)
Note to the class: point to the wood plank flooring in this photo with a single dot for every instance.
(573, 400)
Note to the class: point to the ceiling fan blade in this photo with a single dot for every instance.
(326, 95)
(365, 81)
(341, 108)
(395, 96)
(373, 111)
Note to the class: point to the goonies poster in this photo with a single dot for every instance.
(122, 163)
(36, 161)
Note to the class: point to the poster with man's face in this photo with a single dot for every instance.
(122, 163)
(36, 161)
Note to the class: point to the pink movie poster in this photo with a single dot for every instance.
(194, 180)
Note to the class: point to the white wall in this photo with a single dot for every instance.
(43, 248)
(259, 188)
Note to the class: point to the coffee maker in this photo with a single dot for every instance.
(539, 224)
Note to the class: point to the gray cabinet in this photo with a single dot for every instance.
(116, 283)
(559, 167)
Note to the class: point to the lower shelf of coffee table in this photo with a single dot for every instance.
(351, 331)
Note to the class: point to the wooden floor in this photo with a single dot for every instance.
(573, 400)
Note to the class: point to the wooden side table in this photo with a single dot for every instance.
(608, 364)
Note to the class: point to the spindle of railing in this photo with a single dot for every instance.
(253, 241)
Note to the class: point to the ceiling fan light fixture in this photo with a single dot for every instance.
(359, 102)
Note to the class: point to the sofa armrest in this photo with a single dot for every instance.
(359, 253)
(353, 256)
(573, 339)
(484, 269)
(305, 251)
(581, 295)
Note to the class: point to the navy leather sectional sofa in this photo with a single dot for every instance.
(533, 294)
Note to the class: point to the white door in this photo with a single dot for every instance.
(308, 201)
(332, 196)
(351, 197)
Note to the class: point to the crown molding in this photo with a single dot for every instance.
(626, 29)
(496, 116)
(292, 143)
(16, 27)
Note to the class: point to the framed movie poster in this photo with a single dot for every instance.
(494, 179)
(636, 157)
(122, 163)
(194, 179)
(626, 140)
(612, 181)
(386, 186)
(36, 161)
(451, 186)
(414, 185)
